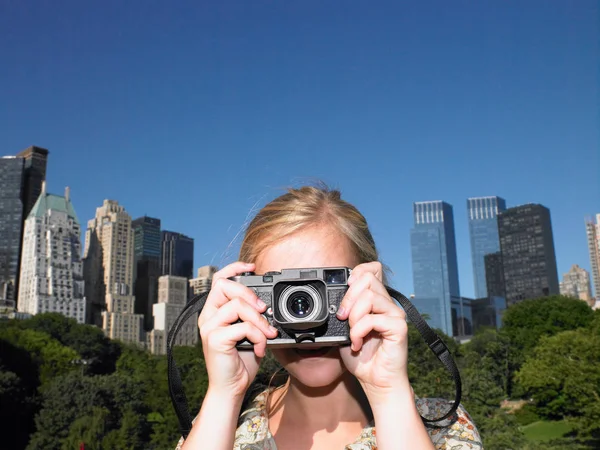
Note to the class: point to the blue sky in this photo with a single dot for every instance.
(197, 113)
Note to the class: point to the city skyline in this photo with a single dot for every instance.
(470, 294)
(409, 105)
(517, 241)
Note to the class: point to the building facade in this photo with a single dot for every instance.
(172, 298)
(51, 278)
(434, 263)
(34, 174)
(592, 227)
(528, 257)
(483, 232)
(203, 281)
(108, 264)
(494, 275)
(576, 284)
(177, 254)
(147, 247)
(11, 217)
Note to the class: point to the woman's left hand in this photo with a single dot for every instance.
(378, 354)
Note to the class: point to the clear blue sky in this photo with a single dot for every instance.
(195, 112)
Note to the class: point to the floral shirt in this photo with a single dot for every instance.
(455, 433)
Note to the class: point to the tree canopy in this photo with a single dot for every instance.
(546, 356)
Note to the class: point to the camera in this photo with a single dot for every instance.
(302, 305)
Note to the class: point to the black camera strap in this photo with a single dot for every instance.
(193, 308)
(436, 345)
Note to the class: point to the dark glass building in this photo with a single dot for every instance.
(528, 258)
(11, 225)
(483, 230)
(146, 247)
(177, 254)
(494, 275)
(435, 268)
(34, 174)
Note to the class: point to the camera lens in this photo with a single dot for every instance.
(300, 305)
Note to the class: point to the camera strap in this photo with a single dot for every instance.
(195, 305)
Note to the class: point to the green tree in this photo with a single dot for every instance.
(526, 322)
(87, 340)
(484, 375)
(52, 358)
(563, 376)
(74, 397)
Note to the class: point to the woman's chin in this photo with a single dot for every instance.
(312, 368)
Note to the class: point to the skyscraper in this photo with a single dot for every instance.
(177, 254)
(576, 284)
(11, 217)
(528, 258)
(592, 227)
(36, 159)
(483, 231)
(51, 277)
(435, 267)
(108, 265)
(146, 258)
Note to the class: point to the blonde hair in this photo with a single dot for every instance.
(304, 207)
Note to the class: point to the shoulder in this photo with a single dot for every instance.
(252, 428)
(456, 432)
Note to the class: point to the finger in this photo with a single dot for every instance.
(374, 267)
(364, 282)
(235, 310)
(389, 327)
(372, 303)
(232, 270)
(223, 291)
(224, 339)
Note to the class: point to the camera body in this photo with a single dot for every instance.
(302, 305)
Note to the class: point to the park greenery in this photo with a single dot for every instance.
(534, 384)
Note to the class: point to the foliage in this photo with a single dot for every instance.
(87, 340)
(547, 350)
(51, 357)
(563, 375)
(76, 408)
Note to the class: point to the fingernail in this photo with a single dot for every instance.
(341, 311)
(260, 303)
(272, 329)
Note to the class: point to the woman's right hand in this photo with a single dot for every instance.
(230, 371)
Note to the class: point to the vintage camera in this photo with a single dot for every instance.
(302, 305)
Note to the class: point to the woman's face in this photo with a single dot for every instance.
(321, 246)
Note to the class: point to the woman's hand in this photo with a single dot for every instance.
(378, 354)
(230, 371)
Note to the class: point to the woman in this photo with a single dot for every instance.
(334, 396)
